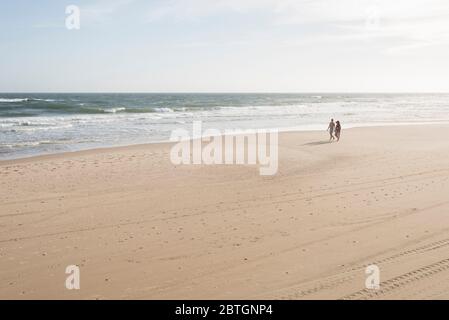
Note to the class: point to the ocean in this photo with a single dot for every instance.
(36, 124)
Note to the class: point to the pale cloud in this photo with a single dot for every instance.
(193, 9)
(302, 11)
(102, 10)
(417, 23)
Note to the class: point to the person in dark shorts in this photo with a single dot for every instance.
(338, 130)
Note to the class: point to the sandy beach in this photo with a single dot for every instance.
(140, 227)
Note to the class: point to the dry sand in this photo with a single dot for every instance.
(140, 227)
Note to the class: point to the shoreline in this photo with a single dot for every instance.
(282, 130)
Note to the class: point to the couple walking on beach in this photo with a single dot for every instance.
(334, 128)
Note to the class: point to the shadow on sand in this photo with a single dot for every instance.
(316, 143)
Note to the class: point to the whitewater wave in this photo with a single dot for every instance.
(22, 144)
(39, 143)
(114, 110)
(14, 100)
(46, 100)
(163, 110)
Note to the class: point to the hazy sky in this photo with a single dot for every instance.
(226, 46)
